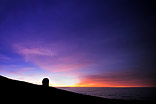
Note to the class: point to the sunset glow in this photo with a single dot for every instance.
(106, 43)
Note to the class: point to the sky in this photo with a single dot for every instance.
(79, 43)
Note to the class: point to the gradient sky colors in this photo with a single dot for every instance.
(92, 43)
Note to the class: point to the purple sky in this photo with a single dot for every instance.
(78, 42)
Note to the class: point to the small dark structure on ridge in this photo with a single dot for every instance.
(45, 82)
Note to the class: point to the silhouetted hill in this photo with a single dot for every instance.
(22, 92)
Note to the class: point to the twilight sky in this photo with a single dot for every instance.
(102, 43)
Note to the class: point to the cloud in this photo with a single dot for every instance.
(52, 57)
(8, 68)
(14, 69)
(3, 57)
(31, 50)
(35, 51)
(61, 67)
(125, 78)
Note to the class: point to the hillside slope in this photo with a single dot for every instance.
(19, 91)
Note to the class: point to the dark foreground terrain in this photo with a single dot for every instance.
(14, 91)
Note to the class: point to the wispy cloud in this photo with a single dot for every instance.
(4, 57)
(31, 50)
(56, 60)
(64, 67)
(14, 69)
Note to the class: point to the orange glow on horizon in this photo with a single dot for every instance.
(95, 85)
(92, 86)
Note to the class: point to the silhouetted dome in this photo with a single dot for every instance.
(45, 82)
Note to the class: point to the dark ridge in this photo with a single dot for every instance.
(23, 92)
